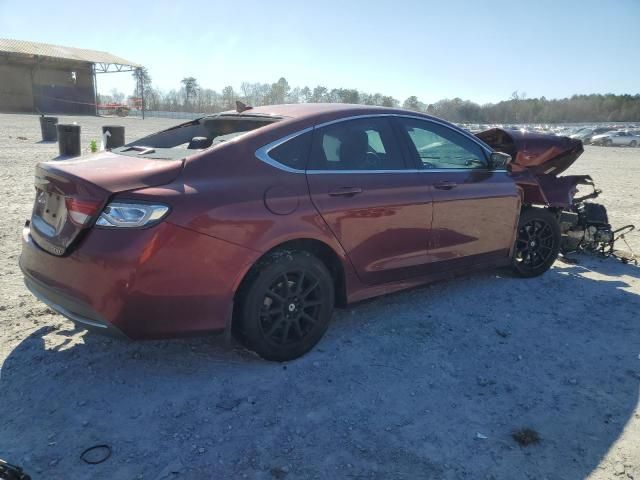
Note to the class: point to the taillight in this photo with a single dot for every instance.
(131, 215)
(81, 211)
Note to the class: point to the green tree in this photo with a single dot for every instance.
(191, 88)
(279, 91)
(412, 103)
(143, 82)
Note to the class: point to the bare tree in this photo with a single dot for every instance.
(228, 98)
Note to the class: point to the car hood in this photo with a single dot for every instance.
(541, 154)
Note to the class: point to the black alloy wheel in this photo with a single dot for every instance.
(291, 307)
(537, 242)
(285, 305)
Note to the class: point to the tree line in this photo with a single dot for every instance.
(191, 97)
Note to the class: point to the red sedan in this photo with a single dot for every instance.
(260, 221)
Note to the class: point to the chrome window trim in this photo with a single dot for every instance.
(263, 152)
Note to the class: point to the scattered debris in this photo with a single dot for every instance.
(171, 470)
(619, 468)
(503, 333)
(485, 382)
(96, 454)
(22, 138)
(279, 472)
(526, 437)
(228, 403)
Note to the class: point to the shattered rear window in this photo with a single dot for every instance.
(187, 138)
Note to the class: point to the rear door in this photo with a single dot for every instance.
(621, 138)
(475, 209)
(374, 203)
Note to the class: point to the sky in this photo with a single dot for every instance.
(476, 50)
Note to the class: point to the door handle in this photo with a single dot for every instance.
(445, 185)
(345, 191)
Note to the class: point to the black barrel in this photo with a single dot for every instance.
(69, 140)
(48, 128)
(115, 138)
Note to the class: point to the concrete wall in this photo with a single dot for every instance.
(32, 85)
(16, 93)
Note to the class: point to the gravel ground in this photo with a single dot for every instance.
(428, 383)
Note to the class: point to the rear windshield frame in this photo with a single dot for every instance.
(172, 143)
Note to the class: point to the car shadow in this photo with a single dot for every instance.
(427, 383)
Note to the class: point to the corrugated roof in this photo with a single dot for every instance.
(56, 51)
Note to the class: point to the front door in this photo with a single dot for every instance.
(475, 208)
(378, 209)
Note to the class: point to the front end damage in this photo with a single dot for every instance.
(537, 160)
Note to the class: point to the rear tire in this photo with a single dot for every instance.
(285, 305)
(537, 242)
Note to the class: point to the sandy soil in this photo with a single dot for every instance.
(428, 383)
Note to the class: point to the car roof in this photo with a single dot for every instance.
(301, 110)
(306, 109)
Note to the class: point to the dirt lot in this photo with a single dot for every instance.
(428, 383)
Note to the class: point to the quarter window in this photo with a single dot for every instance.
(362, 144)
(293, 153)
(441, 147)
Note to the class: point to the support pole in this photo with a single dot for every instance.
(95, 88)
(141, 90)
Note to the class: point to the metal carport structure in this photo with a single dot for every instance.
(40, 77)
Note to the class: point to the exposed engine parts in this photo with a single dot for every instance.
(585, 228)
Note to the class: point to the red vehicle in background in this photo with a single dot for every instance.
(118, 109)
(261, 221)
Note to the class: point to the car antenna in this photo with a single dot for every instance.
(241, 107)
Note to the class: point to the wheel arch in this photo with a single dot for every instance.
(325, 253)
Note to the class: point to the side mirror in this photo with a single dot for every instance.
(499, 160)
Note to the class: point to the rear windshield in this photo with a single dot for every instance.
(183, 140)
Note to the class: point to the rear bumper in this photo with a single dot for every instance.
(159, 282)
(79, 314)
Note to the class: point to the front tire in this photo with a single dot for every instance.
(633, 143)
(537, 242)
(286, 305)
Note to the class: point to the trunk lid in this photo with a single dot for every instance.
(71, 193)
(541, 154)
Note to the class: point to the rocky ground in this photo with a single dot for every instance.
(429, 383)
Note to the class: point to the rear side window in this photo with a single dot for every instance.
(363, 144)
(293, 153)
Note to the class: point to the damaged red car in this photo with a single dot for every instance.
(260, 221)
